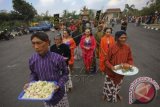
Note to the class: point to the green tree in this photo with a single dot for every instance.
(73, 15)
(157, 5)
(46, 16)
(15, 16)
(151, 8)
(91, 14)
(4, 16)
(24, 8)
(65, 13)
(130, 10)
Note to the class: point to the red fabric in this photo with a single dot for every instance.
(87, 54)
(72, 27)
(118, 55)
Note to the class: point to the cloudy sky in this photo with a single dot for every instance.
(57, 6)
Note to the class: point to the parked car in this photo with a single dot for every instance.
(42, 26)
(35, 28)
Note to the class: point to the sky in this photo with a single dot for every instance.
(57, 6)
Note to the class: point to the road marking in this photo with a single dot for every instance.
(156, 29)
(12, 66)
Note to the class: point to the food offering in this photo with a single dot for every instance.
(40, 90)
(123, 70)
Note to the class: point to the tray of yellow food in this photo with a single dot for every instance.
(128, 71)
(38, 91)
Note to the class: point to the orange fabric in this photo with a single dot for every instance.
(72, 45)
(104, 50)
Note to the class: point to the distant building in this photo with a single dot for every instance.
(3, 11)
(112, 13)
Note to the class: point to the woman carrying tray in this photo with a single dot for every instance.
(120, 53)
(46, 66)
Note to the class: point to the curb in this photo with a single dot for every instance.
(152, 28)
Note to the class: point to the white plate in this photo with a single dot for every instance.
(134, 71)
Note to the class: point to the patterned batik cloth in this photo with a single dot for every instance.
(62, 103)
(110, 90)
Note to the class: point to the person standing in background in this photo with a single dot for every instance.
(98, 35)
(69, 41)
(107, 41)
(124, 25)
(63, 50)
(76, 35)
(88, 45)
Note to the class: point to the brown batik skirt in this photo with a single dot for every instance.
(110, 90)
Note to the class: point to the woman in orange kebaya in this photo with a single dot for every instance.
(88, 45)
(106, 42)
(68, 40)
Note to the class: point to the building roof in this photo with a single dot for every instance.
(113, 10)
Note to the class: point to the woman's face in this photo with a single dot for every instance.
(108, 32)
(100, 28)
(57, 41)
(87, 32)
(122, 40)
(65, 34)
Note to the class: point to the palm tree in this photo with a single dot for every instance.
(129, 10)
(65, 13)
